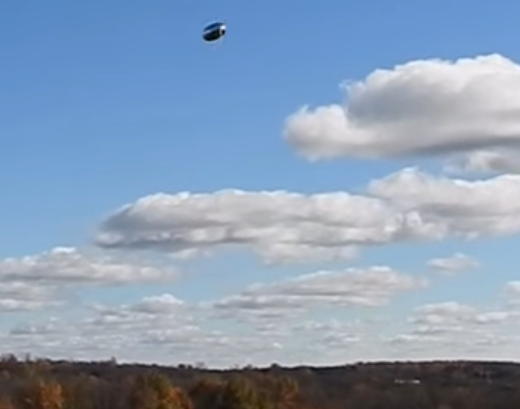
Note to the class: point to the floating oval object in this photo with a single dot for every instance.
(214, 31)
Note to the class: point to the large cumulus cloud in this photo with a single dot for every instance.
(279, 225)
(408, 205)
(421, 107)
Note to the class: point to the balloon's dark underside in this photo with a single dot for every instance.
(212, 35)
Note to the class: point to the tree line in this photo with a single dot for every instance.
(45, 384)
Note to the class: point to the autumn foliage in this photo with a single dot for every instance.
(42, 384)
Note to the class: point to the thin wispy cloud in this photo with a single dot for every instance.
(454, 264)
(366, 288)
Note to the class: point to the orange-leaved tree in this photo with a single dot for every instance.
(154, 391)
(41, 394)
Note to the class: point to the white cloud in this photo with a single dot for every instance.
(456, 263)
(512, 290)
(257, 308)
(494, 317)
(445, 207)
(20, 296)
(415, 339)
(444, 313)
(437, 329)
(35, 329)
(486, 162)
(370, 287)
(331, 333)
(14, 305)
(70, 266)
(154, 329)
(513, 287)
(43, 280)
(161, 304)
(449, 317)
(22, 291)
(169, 330)
(280, 226)
(149, 312)
(453, 330)
(278, 253)
(421, 107)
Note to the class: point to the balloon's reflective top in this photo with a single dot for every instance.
(214, 31)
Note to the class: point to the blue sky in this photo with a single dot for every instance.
(108, 102)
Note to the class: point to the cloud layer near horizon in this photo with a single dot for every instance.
(351, 287)
(423, 107)
(38, 281)
(163, 328)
